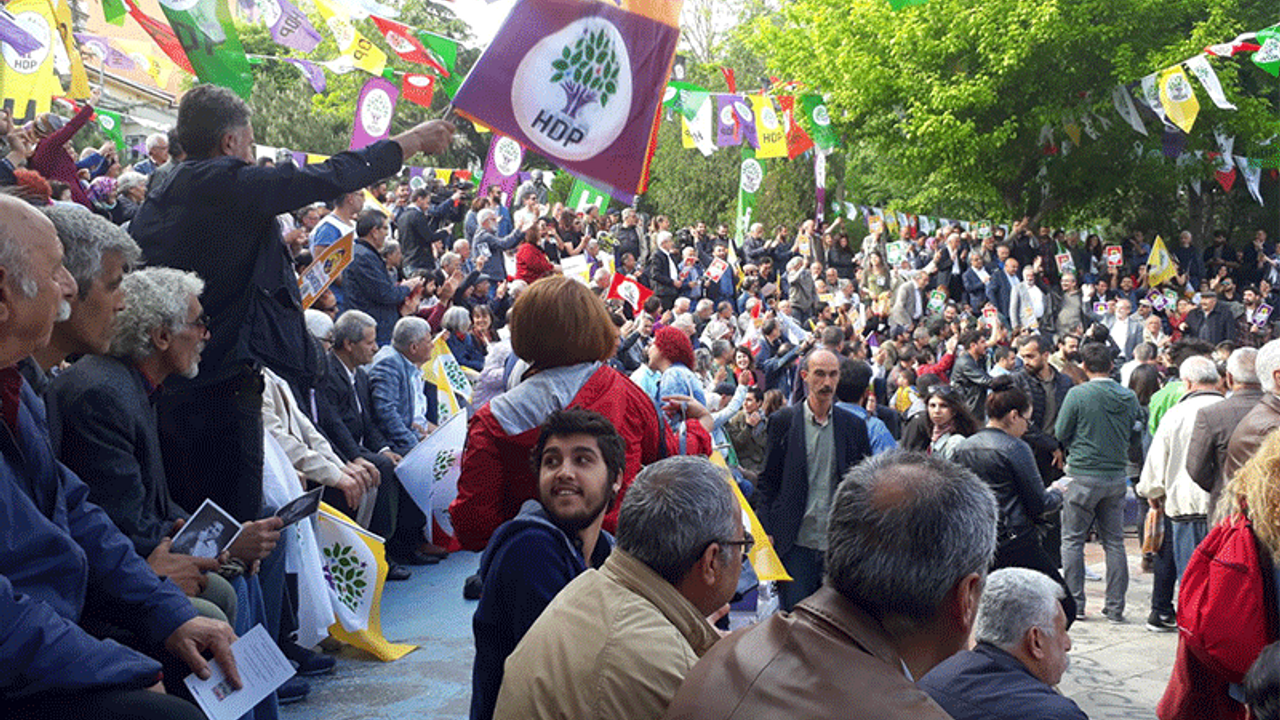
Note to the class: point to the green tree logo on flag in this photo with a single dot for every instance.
(752, 175)
(346, 573)
(591, 66)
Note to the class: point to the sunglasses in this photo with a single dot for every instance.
(946, 392)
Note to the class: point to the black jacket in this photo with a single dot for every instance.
(217, 218)
(987, 683)
(1215, 327)
(109, 438)
(348, 425)
(1005, 463)
(783, 487)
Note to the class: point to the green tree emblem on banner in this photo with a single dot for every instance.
(587, 71)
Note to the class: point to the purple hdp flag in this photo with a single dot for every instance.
(578, 82)
(311, 71)
(20, 40)
(374, 109)
(102, 47)
(746, 122)
(299, 158)
(727, 133)
(289, 26)
(502, 166)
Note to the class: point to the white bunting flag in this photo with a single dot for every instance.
(1252, 172)
(1151, 96)
(1200, 67)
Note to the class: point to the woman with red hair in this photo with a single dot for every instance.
(671, 354)
(564, 332)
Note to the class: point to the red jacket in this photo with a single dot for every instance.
(497, 477)
(531, 263)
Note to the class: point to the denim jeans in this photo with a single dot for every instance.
(1099, 499)
(804, 565)
(1186, 535)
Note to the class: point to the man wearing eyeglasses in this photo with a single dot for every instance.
(618, 641)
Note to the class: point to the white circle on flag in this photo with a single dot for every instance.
(1269, 53)
(507, 156)
(1178, 88)
(343, 33)
(417, 182)
(726, 115)
(820, 116)
(375, 113)
(669, 94)
(179, 5)
(571, 92)
(107, 122)
(420, 81)
(399, 43)
(752, 174)
(270, 11)
(35, 24)
(768, 117)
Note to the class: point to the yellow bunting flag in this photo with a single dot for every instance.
(764, 560)
(79, 88)
(1160, 265)
(444, 175)
(28, 82)
(769, 129)
(356, 567)
(1178, 98)
(363, 53)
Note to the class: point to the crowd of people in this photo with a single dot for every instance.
(927, 443)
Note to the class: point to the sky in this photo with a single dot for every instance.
(485, 18)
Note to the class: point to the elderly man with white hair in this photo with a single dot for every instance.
(664, 271)
(157, 154)
(1165, 482)
(489, 247)
(1264, 418)
(1020, 653)
(1207, 454)
(405, 412)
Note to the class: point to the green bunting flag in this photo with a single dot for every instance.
(208, 36)
(750, 178)
(110, 125)
(1268, 57)
(114, 11)
(815, 115)
(444, 52)
(678, 95)
(584, 195)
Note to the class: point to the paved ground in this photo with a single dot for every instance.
(1117, 671)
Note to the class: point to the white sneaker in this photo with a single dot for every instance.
(1091, 574)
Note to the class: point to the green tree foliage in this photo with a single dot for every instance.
(941, 106)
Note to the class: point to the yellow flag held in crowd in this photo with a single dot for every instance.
(1160, 265)
(363, 53)
(356, 567)
(446, 374)
(764, 560)
(28, 82)
(1178, 98)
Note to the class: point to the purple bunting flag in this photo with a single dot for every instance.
(311, 71)
(746, 122)
(107, 52)
(289, 26)
(502, 166)
(727, 134)
(376, 105)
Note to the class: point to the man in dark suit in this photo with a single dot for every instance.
(664, 271)
(1000, 287)
(811, 445)
(346, 417)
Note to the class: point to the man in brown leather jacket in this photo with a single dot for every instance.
(1264, 418)
(909, 541)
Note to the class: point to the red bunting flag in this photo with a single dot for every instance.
(624, 288)
(404, 41)
(730, 79)
(798, 141)
(163, 36)
(418, 88)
